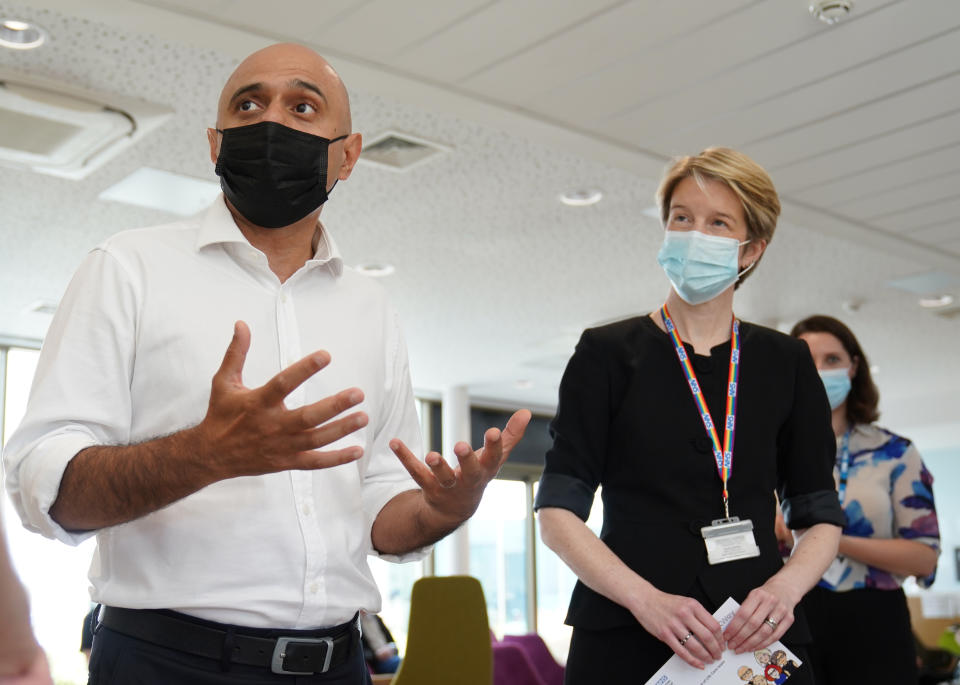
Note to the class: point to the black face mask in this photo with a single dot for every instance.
(272, 174)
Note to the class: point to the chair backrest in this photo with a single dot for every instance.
(540, 656)
(512, 666)
(448, 640)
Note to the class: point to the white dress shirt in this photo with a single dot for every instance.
(130, 356)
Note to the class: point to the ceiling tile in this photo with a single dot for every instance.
(887, 176)
(625, 32)
(931, 214)
(794, 65)
(819, 101)
(494, 34)
(899, 199)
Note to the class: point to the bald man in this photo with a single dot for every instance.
(233, 547)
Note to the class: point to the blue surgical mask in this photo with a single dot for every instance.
(700, 266)
(837, 384)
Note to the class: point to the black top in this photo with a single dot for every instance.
(626, 420)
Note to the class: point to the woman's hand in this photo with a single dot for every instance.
(764, 616)
(683, 624)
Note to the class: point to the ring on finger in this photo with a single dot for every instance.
(685, 638)
(771, 622)
(449, 483)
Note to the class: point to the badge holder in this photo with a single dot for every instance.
(729, 539)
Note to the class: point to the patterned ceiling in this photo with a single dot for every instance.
(494, 277)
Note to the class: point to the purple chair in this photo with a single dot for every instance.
(512, 666)
(547, 668)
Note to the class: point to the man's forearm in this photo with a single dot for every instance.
(105, 486)
(406, 523)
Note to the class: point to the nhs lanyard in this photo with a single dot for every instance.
(844, 466)
(722, 454)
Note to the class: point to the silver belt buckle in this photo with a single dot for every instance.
(280, 654)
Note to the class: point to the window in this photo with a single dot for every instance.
(499, 555)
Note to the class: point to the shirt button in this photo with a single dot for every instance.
(306, 510)
(313, 588)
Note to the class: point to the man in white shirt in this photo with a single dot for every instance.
(234, 547)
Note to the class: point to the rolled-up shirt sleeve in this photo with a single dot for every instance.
(574, 464)
(807, 450)
(81, 390)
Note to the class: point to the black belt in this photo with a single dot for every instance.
(303, 653)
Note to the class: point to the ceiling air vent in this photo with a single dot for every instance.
(399, 151)
(55, 128)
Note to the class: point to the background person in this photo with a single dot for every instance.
(22, 662)
(234, 547)
(629, 419)
(891, 529)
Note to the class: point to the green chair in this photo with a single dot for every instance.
(448, 641)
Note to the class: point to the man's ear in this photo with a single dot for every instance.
(214, 139)
(352, 146)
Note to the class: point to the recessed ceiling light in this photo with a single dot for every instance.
(21, 35)
(378, 269)
(831, 11)
(653, 212)
(935, 301)
(523, 384)
(582, 198)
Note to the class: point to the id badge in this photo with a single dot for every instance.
(835, 572)
(729, 540)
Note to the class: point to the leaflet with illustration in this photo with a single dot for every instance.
(773, 664)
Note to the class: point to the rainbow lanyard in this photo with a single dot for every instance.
(844, 466)
(723, 454)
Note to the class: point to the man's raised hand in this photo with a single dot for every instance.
(250, 431)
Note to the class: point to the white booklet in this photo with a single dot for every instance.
(773, 664)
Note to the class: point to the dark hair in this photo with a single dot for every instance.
(864, 396)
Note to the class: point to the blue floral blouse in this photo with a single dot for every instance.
(889, 495)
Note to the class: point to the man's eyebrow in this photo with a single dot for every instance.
(300, 83)
(295, 83)
(245, 89)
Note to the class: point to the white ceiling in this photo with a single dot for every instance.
(859, 125)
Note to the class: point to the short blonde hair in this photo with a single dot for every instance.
(747, 179)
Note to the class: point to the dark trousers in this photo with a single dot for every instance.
(861, 636)
(121, 660)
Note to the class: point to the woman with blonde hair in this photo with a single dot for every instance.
(891, 529)
(649, 408)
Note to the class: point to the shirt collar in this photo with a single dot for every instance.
(217, 226)
(327, 251)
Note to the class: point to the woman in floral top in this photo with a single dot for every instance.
(859, 608)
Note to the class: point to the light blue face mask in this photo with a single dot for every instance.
(837, 384)
(700, 266)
